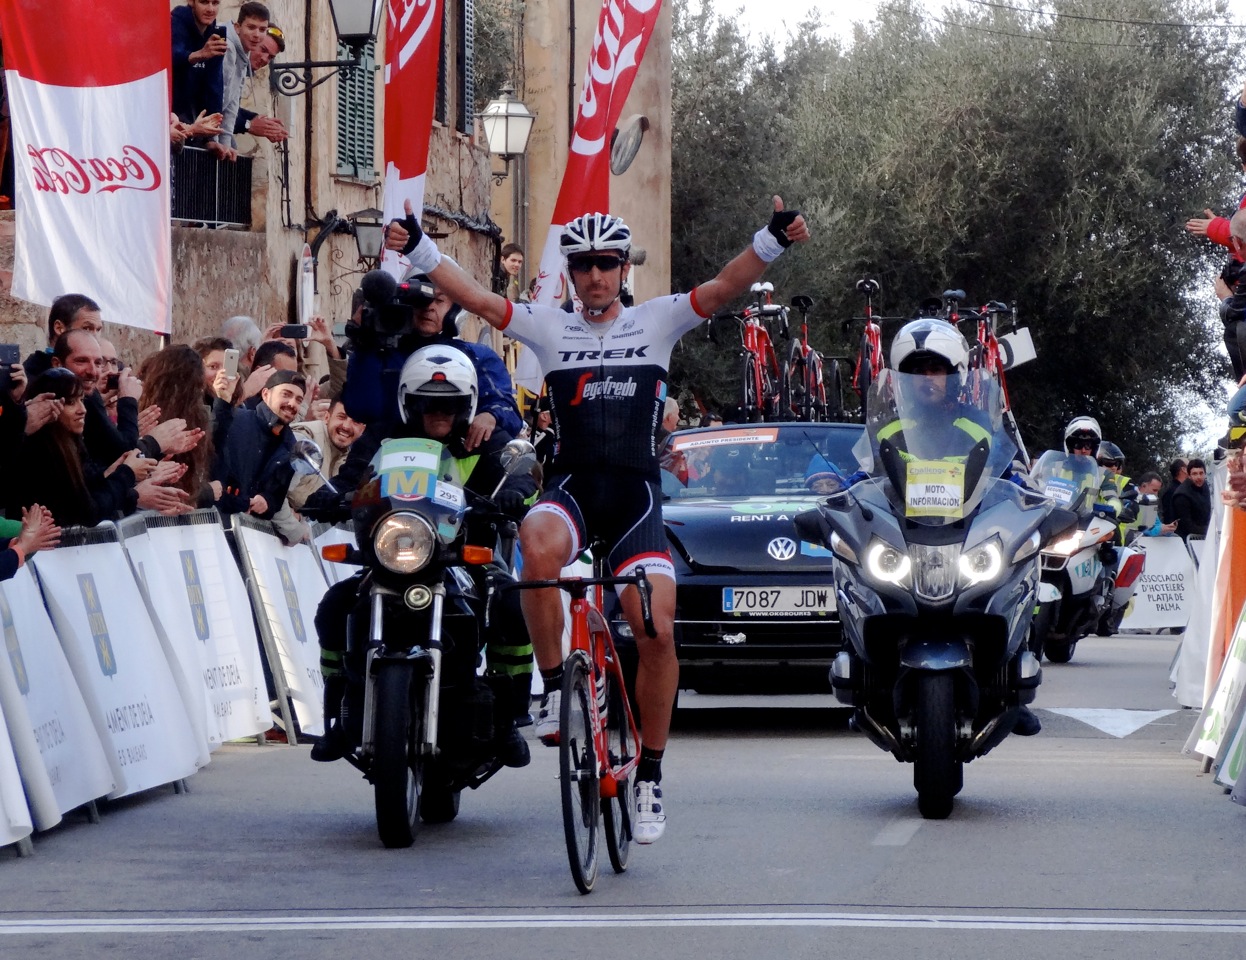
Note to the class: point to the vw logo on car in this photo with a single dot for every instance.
(781, 548)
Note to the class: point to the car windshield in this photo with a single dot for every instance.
(764, 460)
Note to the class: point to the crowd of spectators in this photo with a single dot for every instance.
(211, 66)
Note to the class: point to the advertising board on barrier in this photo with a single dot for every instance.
(1215, 727)
(15, 823)
(200, 601)
(59, 754)
(1165, 591)
(117, 659)
(286, 585)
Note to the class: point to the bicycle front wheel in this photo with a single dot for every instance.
(578, 773)
(619, 812)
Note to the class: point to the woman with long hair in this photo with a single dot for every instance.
(54, 469)
(173, 381)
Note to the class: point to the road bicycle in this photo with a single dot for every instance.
(762, 380)
(598, 741)
(870, 360)
(813, 385)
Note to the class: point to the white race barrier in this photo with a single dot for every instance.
(15, 822)
(1164, 595)
(59, 753)
(199, 603)
(286, 586)
(117, 660)
(1215, 730)
(1190, 674)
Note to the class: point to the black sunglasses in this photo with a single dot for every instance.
(604, 263)
(1082, 445)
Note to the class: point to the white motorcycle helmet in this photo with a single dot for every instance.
(1082, 428)
(927, 339)
(438, 377)
(594, 232)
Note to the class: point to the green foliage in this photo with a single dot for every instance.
(1031, 158)
(498, 39)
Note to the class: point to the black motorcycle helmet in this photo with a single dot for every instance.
(1110, 455)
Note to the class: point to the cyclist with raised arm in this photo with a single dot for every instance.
(606, 369)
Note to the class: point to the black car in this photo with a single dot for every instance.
(751, 598)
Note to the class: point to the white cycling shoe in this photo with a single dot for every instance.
(650, 820)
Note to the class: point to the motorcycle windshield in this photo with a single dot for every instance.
(416, 473)
(1070, 479)
(939, 442)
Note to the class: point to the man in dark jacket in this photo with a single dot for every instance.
(1177, 471)
(254, 468)
(1191, 503)
(198, 54)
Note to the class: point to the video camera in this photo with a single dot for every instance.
(390, 308)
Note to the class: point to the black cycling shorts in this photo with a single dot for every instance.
(625, 511)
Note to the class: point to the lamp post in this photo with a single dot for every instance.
(356, 23)
(507, 124)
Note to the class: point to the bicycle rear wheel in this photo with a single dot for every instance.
(832, 381)
(815, 387)
(578, 773)
(619, 812)
(797, 400)
(750, 402)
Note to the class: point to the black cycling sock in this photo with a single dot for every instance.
(650, 766)
(552, 678)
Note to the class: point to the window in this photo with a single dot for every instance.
(356, 116)
(456, 71)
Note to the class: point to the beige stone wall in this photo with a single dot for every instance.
(641, 196)
(220, 273)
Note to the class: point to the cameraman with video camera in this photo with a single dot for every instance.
(397, 320)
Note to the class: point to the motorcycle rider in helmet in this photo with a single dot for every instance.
(1112, 459)
(1083, 436)
(437, 394)
(936, 356)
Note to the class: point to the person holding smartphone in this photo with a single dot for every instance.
(199, 47)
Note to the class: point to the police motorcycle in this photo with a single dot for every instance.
(1078, 591)
(935, 560)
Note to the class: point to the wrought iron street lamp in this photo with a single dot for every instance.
(507, 124)
(369, 229)
(356, 24)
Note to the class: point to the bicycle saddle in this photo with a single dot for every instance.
(868, 287)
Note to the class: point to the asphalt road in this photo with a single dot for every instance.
(789, 837)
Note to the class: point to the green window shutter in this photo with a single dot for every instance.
(356, 116)
(466, 67)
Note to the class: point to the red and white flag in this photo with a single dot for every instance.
(90, 122)
(623, 32)
(412, 51)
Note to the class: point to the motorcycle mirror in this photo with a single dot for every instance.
(518, 456)
(307, 459)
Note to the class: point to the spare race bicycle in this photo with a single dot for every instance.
(810, 396)
(598, 742)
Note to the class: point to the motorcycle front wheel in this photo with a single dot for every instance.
(937, 774)
(397, 770)
(439, 802)
(578, 773)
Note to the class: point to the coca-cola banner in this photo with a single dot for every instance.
(623, 32)
(412, 49)
(90, 129)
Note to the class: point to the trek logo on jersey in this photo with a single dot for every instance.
(620, 353)
(608, 389)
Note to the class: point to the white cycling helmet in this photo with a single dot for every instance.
(438, 373)
(926, 339)
(1082, 428)
(594, 232)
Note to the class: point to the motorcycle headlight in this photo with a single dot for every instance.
(885, 563)
(1068, 545)
(404, 542)
(983, 563)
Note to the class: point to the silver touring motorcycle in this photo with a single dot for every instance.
(936, 573)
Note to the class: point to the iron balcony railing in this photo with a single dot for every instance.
(210, 191)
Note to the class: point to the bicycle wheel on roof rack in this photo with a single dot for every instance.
(816, 380)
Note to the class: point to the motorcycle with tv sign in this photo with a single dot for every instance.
(935, 561)
(415, 717)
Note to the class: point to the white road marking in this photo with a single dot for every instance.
(1117, 723)
(622, 919)
(897, 833)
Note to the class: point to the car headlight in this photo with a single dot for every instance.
(403, 542)
(983, 563)
(885, 563)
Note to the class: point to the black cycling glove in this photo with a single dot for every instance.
(411, 224)
(512, 502)
(780, 220)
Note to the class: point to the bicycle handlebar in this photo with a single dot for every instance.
(578, 588)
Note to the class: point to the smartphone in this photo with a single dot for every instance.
(10, 353)
(112, 382)
(220, 32)
(294, 331)
(231, 363)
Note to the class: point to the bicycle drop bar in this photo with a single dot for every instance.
(578, 588)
